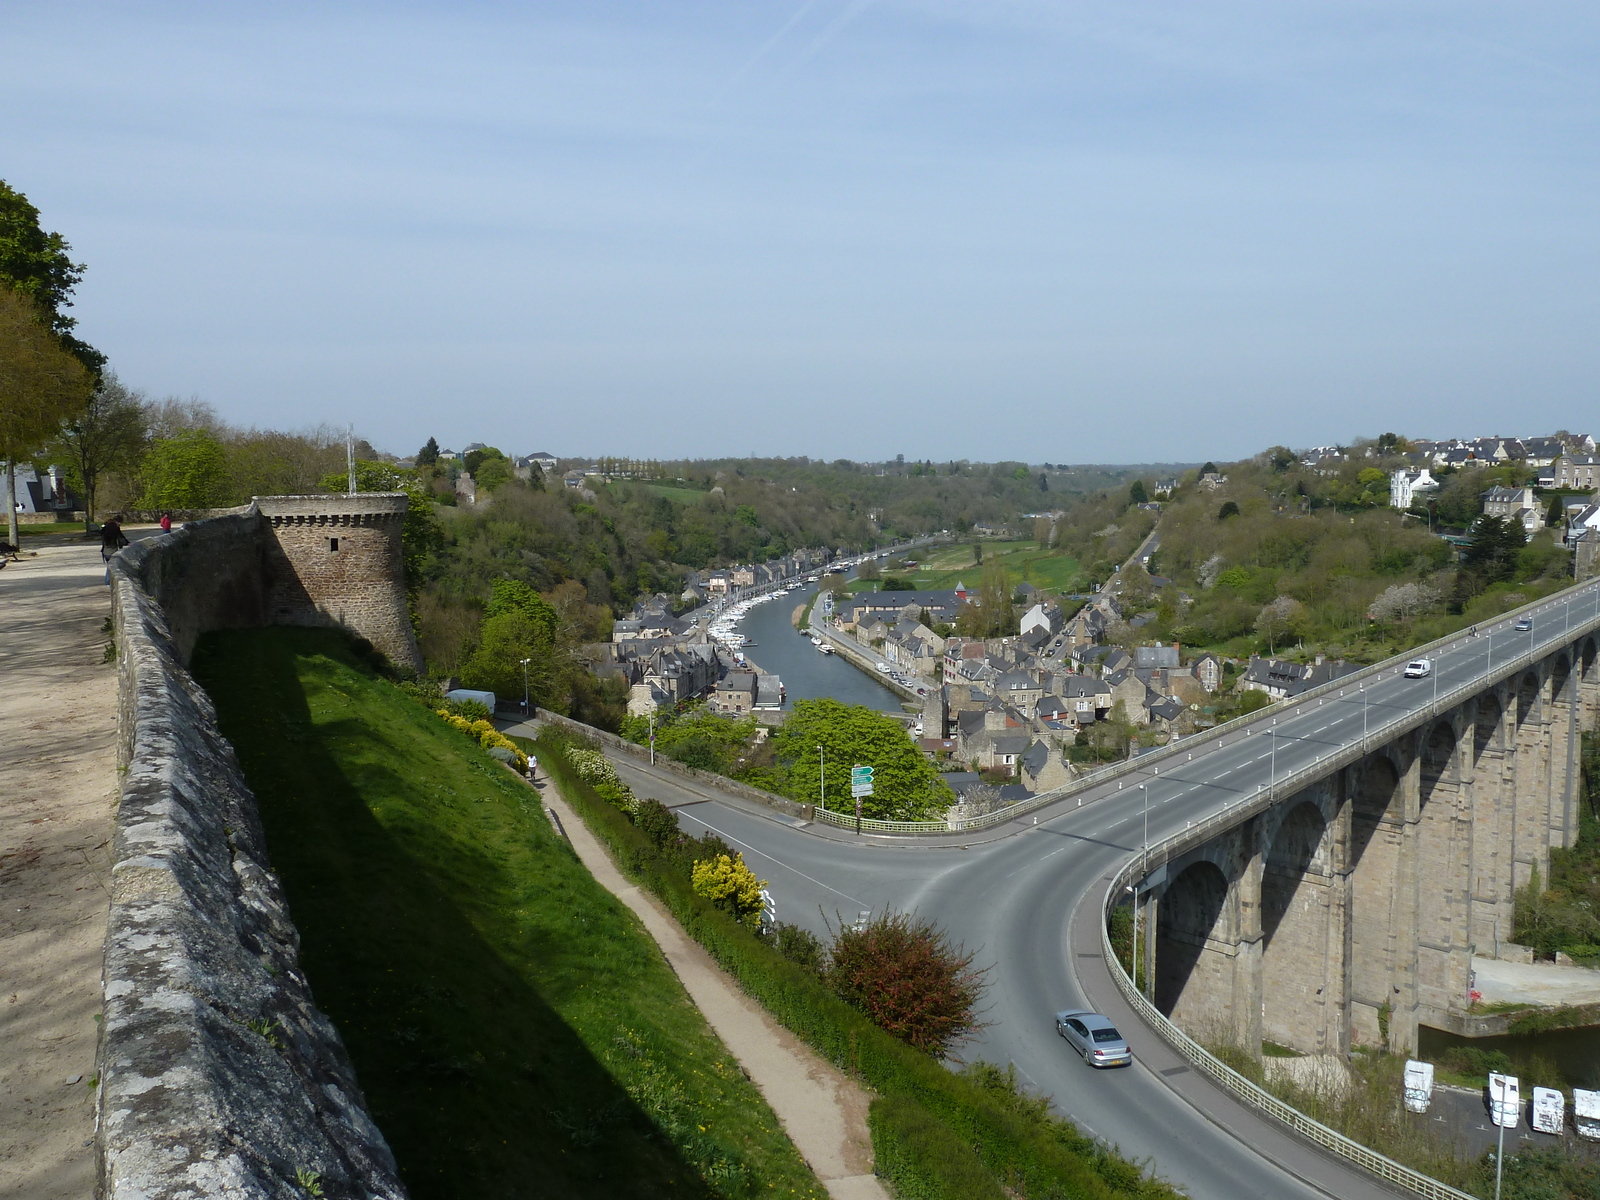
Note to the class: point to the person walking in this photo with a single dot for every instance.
(112, 538)
(166, 522)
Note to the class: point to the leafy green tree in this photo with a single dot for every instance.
(41, 384)
(1228, 509)
(906, 787)
(429, 454)
(492, 474)
(1137, 493)
(186, 471)
(107, 434)
(39, 265)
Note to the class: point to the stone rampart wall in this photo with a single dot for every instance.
(219, 1077)
(336, 559)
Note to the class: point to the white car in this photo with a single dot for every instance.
(884, 667)
(1419, 668)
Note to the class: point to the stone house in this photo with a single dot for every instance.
(1577, 472)
(1515, 504)
(1207, 669)
(735, 693)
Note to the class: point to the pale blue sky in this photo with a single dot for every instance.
(1060, 232)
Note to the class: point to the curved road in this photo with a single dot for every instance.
(1027, 895)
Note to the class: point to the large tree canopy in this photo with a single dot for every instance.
(38, 265)
(906, 787)
(41, 384)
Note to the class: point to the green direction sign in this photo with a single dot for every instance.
(860, 781)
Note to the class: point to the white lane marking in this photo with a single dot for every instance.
(747, 846)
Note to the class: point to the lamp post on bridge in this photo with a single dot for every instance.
(525, 663)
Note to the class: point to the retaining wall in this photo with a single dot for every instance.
(219, 1077)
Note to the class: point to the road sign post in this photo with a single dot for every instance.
(860, 785)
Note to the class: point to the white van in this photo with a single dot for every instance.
(1586, 1113)
(1418, 1085)
(1505, 1100)
(1549, 1110)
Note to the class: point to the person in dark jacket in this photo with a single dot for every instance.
(112, 538)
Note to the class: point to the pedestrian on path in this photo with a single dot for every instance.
(112, 538)
(166, 522)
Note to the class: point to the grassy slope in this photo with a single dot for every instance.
(515, 1029)
(1025, 562)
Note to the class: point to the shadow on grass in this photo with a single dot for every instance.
(480, 1085)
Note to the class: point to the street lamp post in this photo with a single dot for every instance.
(822, 787)
(525, 663)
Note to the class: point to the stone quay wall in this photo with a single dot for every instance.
(219, 1076)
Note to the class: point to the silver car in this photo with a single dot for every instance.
(1094, 1037)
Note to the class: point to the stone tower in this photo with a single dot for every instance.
(335, 560)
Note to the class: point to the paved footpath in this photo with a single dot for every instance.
(58, 716)
(823, 1111)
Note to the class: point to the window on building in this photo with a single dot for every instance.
(333, 545)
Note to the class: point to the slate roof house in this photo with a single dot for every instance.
(1282, 680)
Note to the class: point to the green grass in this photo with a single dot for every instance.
(1025, 562)
(516, 1031)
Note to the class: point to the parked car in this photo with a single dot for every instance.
(1524, 625)
(1419, 668)
(1095, 1038)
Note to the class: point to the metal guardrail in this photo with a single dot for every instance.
(1320, 692)
(1251, 1093)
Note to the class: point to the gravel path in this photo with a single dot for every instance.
(58, 718)
(823, 1111)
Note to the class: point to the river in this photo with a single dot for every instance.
(807, 673)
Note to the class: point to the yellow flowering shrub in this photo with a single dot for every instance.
(730, 885)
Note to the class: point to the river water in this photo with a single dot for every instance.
(807, 673)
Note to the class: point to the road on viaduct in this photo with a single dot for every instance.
(1026, 896)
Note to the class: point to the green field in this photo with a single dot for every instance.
(516, 1031)
(1025, 562)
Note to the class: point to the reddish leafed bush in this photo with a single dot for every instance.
(902, 972)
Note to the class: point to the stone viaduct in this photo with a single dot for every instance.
(1347, 911)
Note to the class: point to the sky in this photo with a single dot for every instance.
(1049, 232)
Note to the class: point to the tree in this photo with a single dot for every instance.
(1280, 619)
(905, 785)
(429, 454)
(41, 385)
(107, 434)
(38, 265)
(1209, 469)
(730, 885)
(870, 570)
(1228, 509)
(1496, 543)
(1137, 493)
(903, 974)
(186, 471)
(1403, 601)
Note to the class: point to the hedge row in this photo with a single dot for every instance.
(1041, 1159)
(922, 1156)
